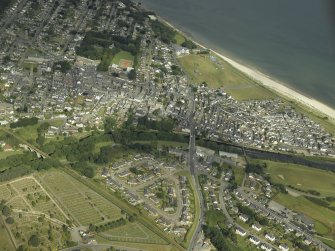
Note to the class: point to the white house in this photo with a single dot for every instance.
(266, 247)
(254, 240)
(243, 217)
(270, 237)
(284, 247)
(240, 231)
(257, 227)
(307, 242)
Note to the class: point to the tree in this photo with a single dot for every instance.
(6, 211)
(109, 125)
(189, 44)
(92, 228)
(132, 74)
(34, 241)
(40, 140)
(9, 220)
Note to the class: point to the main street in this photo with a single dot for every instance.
(193, 169)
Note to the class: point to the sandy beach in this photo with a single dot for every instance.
(274, 85)
(281, 88)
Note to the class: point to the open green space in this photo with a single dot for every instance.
(143, 219)
(99, 145)
(28, 133)
(179, 39)
(4, 155)
(239, 174)
(122, 55)
(245, 244)
(32, 214)
(324, 218)
(165, 143)
(98, 46)
(133, 232)
(302, 177)
(330, 243)
(81, 203)
(218, 73)
(6, 243)
(28, 66)
(143, 246)
(196, 205)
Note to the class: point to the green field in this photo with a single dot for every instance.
(6, 244)
(245, 244)
(142, 246)
(218, 73)
(302, 177)
(324, 218)
(99, 145)
(4, 155)
(38, 200)
(28, 133)
(133, 232)
(239, 175)
(34, 213)
(122, 55)
(196, 205)
(165, 143)
(179, 39)
(82, 204)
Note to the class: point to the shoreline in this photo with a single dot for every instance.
(266, 81)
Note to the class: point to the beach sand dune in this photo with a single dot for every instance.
(281, 88)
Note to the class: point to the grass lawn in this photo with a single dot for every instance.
(196, 205)
(99, 145)
(330, 243)
(28, 133)
(80, 202)
(179, 38)
(214, 218)
(143, 246)
(27, 66)
(324, 217)
(56, 122)
(164, 143)
(6, 244)
(4, 155)
(302, 177)
(33, 212)
(122, 55)
(218, 73)
(245, 244)
(239, 175)
(133, 232)
(143, 219)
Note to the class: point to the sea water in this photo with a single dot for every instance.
(292, 41)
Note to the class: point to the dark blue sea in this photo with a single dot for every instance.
(292, 41)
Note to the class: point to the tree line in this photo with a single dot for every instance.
(24, 122)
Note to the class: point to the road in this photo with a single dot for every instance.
(193, 170)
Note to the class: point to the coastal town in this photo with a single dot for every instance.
(99, 90)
